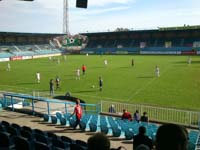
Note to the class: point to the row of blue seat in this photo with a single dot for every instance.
(115, 126)
(16, 137)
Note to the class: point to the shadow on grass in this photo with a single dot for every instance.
(145, 77)
(185, 62)
(85, 91)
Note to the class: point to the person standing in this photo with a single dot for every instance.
(100, 83)
(136, 116)
(126, 115)
(141, 138)
(112, 109)
(38, 77)
(189, 60)
(83, 69)
(8, 67)
(57, 82)
(78, 112)
(105, 62)
(77, 74)
(51, 87)
(132, 62)
(144, 118)
(157, 71)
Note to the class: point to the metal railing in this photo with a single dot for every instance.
(157, 114)
(42, 105)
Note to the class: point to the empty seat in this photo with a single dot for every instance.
(16, 126)
(116, 132)
(5, 123)
(38, 131)
(54, 120)
(27, 135)
(104, 129)
(52, 135)
(46, 117)
(67, 139)
(93, 127)
(41, 146)
(63, 121)
(22, 143)
(12, 131)
(27, 129)
(42, 139)
(5, 141)
(60, 144)
(82, 143)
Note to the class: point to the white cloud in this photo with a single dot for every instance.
(100, 3)
(106, 2)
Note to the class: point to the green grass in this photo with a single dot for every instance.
(178, 85)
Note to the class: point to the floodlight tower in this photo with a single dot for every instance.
(65, 17)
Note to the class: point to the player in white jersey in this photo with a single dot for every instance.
(8, 67)
(157, 71)
(105, 62)
(78, 74)
(189, 60)
(38, 77)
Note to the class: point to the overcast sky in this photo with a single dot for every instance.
(46, 16)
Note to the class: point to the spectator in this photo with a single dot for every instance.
(136, 116)
(171, 137)
(126, 115)
(78, 112)
(141, 138)
(98, 141)
(112, 109)
(144, 118)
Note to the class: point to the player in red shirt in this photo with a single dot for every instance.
(83, 69)
(126, 115)
(78, 112)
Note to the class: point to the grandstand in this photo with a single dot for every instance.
(56, 115)
(157, 41)
(27, 45)
(179, 41)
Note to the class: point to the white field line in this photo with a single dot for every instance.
(147, 84)
(102, 98)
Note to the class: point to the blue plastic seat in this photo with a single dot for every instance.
(93, 127)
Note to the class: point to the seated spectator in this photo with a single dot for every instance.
(171, 137)
(126, 115)
(141, 138)
(136, 116)
(98, 141)
(144, 118)
(112, 109)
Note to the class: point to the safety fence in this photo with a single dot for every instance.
(36, 104)
(156, 114)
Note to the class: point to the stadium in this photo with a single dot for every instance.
(149, 70)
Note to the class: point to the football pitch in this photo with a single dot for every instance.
(178, 85)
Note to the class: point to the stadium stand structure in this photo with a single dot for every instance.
(27, 45)
(171, 41)
(91, 121)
